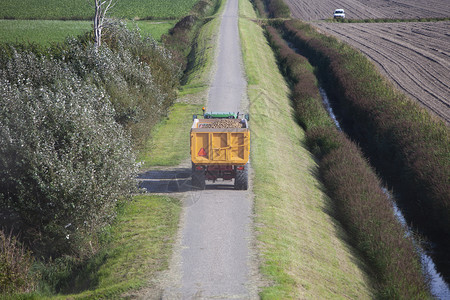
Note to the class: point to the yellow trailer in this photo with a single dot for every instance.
(220, 147)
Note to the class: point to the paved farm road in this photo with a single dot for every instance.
(213, 260)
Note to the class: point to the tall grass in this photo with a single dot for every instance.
(362, 206)
(15, 266)
(409, 147)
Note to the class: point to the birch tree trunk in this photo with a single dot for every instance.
(101, 9)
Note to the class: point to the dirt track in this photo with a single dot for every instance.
(310, 10)
(415, 56)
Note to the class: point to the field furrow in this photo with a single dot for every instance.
(415, 56)
(309, 10)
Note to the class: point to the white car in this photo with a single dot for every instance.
(339, 14)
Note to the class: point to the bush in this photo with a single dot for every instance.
(64, 161)
(15, 266)
(137, 74)
(258, 6)
(181, 38)
(305, 91)
(277, 9)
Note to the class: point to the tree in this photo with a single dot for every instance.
(101, 9)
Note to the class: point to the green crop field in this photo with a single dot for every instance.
(42, 32)
(46, 32)
(83, 9)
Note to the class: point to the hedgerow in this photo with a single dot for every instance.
(70, 118)
(181, 38)
(136, 73)
(277, 9)
(361, 204)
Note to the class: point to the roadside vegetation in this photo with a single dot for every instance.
(361, 204)
(67, 158)
(170, 143)
(78, 118)
(408, 146)
(289, 199)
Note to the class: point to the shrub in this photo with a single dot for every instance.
(277, 9)
(136, 72)
(15, 266)
(64, 161)
(181, 38)
(258, 6)
(305, 91)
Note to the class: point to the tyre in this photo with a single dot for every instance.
(241, 180)
(198, 178)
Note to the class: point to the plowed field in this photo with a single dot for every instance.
(415, 56)
(309, 10)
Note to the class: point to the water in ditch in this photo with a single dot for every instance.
(439, 288)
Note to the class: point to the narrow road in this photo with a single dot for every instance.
(214, 255)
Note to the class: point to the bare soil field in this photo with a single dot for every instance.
(415, 56)
(310, 10)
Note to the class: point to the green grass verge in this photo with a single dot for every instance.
(169, 145)
(310, 260)
(198, 77)
(84, 10)
(141, 245)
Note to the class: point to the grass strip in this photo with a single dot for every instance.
(140, 246)
(169, 145)
(409, 147)
(361, 204)
(136, 247)
(288, 197)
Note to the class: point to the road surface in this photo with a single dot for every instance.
(213, 255)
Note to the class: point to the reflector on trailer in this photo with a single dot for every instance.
(202, 152)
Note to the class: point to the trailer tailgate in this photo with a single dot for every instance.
(226, 146)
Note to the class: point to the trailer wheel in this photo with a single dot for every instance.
(241, 180)
(198, 178)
